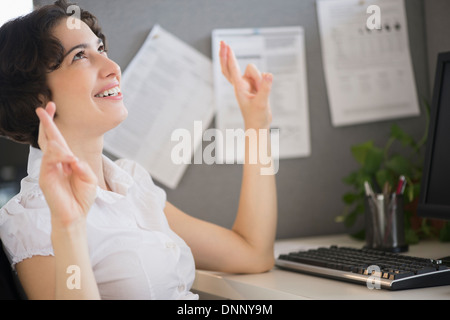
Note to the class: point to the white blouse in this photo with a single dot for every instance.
(134, 253)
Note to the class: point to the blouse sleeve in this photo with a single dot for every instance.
(25, 227)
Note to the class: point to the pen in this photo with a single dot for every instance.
(369, 191)
(376, 210)
(386, 190)
(401, 185)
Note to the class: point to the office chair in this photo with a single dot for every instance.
(10, 288)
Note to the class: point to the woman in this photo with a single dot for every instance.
(59, 92)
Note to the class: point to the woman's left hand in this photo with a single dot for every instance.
(69, 185)
(252, 89)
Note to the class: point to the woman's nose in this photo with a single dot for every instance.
(109, 68)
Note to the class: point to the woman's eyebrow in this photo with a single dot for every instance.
(82, 46)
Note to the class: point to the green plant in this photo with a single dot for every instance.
(382, 167)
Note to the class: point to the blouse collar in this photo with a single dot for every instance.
(118, 179)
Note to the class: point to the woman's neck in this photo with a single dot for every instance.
(91, 153)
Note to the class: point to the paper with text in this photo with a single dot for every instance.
(167, 86)
(368, 70)
(280, 51)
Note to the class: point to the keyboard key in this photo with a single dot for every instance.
(425, 270)
(401, 275)
(311, 261)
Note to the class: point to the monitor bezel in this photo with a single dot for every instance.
(424, 209)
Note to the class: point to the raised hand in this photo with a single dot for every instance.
(69, 185)
(252, 89)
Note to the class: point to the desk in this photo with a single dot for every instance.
(280, 284)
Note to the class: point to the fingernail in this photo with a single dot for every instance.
(268, 77)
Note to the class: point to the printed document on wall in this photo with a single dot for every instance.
(9, 11)
(166, 87)
(367, 61)
(280, 51)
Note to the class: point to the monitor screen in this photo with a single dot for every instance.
(434, 201)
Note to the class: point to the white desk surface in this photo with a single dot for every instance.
(286, 285)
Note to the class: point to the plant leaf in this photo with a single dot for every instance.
(359, 235)
(352, 216)
(373, 159)
(382, 176)
(350, 197)
(360, 151)
(411, 236)
(399, 165)
(403, 137)
(444, 234)
(352, 178)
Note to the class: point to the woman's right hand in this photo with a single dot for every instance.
(69, 185)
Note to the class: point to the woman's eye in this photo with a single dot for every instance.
(82, 54)
(102, 49)
(79, 55)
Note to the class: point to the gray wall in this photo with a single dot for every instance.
(309, 189)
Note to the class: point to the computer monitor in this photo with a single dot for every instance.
(434, 200)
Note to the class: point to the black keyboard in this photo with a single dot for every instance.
(373, 268)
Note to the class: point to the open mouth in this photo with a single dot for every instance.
(109, 93)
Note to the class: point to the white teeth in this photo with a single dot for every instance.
(111, 92)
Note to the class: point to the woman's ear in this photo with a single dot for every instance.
(43, 100)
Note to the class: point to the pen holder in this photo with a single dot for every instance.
(384, 220)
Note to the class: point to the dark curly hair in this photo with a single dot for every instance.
(28, 52)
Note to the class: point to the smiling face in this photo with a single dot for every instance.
(86, 87)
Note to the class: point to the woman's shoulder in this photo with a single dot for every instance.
(30, 201)
(25, 224)
(29, 198)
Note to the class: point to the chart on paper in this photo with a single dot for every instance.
(368, 71)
